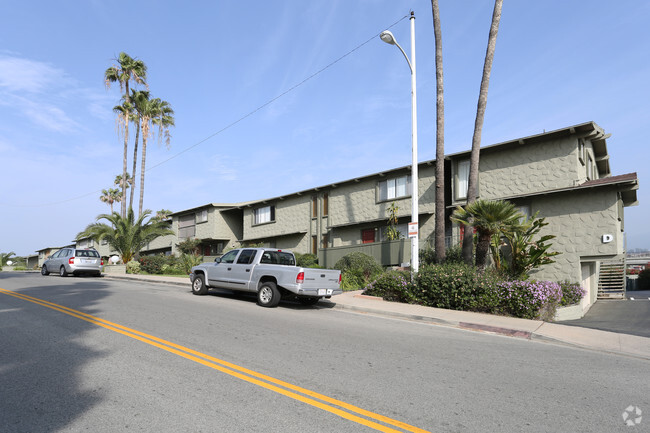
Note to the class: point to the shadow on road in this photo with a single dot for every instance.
(43, 354)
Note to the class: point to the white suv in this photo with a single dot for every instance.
(74, 261)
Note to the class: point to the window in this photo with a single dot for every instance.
(246, 257)
(229, 257)
(395, 188)
(277, 258)
(186, 226)
(202, 216)
(401, 228)
(326, 207)
(264, 215)
(590, 168)
(581, 150)
(462, 178)
(314, 244)
(314, 206)
(325, 240)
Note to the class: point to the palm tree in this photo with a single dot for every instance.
(129, 181)
(151, 112)
(489, 217)
(135, 118)
(440, 140)
(128, 69)
(111, 196)
(127, 235)
(4, 257)
(162, 215)
(472, 187)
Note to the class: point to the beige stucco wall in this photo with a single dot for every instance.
(292, 215)
(578, 220)
(356, 202)
(529, 168)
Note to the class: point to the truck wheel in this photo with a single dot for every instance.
(308, 300)
(268, 295)
(198, 285)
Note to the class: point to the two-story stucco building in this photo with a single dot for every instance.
(564, 175)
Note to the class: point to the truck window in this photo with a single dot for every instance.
(278, 258)
(246, 257)
(229, 257)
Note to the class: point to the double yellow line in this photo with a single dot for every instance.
(351, 412)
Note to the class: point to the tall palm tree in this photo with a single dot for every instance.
(135, 118)
(440, 140)
(472, 187)
(489, 217)
(151, 112)
(127, 235)
(129, 69)
(111, 196)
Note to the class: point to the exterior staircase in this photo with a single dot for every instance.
(611, 280)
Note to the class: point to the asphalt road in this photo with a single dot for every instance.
(623, 316)
(168, 361)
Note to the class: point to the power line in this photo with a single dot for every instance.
(230, 125)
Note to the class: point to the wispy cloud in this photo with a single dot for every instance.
(46, 96)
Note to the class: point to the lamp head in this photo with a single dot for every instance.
(387, 37)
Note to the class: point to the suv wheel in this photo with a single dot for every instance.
(63, 272)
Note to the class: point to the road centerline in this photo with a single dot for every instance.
(292, 391)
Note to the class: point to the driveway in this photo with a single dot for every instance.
(630, 316)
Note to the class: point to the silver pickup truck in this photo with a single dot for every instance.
(270, 273)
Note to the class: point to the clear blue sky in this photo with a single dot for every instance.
(557, 63)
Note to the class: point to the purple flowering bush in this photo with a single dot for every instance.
(392, 286)
(572, 293)
(529, 299)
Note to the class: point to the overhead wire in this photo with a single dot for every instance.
(230, 125)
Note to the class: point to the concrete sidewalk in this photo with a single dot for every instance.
(593, 339)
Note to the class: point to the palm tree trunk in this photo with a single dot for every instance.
(135, 158)
(126, 147)
(145, 131)
(472, 187)
(440, 140)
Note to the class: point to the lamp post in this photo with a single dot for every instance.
(388, 37)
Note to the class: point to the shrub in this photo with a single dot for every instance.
(427, 256)
(572, 293)
(530, 299)
(392, 286)
(152, 264)
(456, 286)
(454, 255)
(187, 262)
(307, 260)
(357, 270)
(20, 268)
(133, 267)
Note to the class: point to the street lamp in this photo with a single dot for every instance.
(388, 37)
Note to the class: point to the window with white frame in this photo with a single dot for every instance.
(264, 214)
(462, 178)
(397, 187)
(186, 226)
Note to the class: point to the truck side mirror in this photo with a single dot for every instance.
(217, 260)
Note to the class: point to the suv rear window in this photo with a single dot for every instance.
(86, 253)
